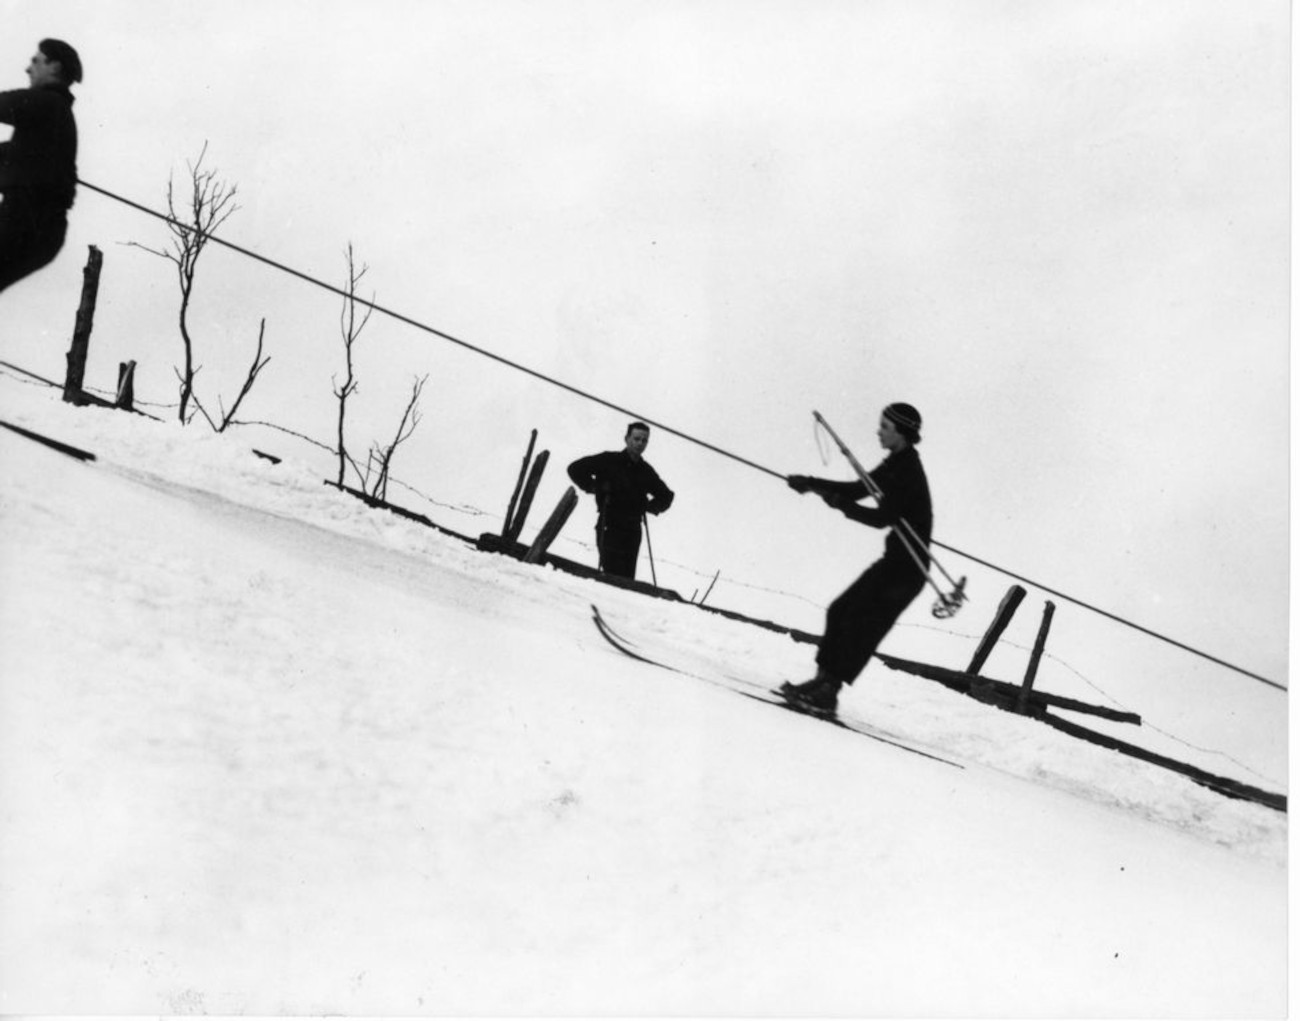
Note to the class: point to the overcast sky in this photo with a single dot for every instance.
(1060, 229)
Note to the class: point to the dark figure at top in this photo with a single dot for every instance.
(626, 490)
(38, 165)
(858, 620)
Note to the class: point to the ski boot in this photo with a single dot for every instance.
(819, 696)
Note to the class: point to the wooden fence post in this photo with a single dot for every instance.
(1040, 643)
(126, 386)
(552, 527)
(514, 497)
(76, 375)
(1006, 610)
(526, 500)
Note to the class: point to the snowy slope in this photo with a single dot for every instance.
(265, 750)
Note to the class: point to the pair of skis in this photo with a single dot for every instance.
(758, 692)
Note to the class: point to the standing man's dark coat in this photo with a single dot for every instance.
(626, 489)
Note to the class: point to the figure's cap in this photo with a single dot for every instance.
(907, 418)
(57, 49)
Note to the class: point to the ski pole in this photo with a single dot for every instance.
(905, 529)
(650, 551)
(948, 603)
(874, 490)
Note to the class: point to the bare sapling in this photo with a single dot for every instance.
(192, 221)
(351, 322)
(227, 417)
(383, 456)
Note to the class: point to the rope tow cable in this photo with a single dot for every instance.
(429, 329)
(644, 418)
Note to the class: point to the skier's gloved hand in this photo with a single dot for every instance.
(800, 483)
(840, 501)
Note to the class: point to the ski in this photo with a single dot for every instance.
(759, 694)
(53, 444)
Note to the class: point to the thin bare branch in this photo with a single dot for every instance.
(405, 428)
(204, 412)
(209, 203)
(350, 327)
(259, 363)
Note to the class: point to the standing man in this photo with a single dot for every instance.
(858, 620)
(38, 165)
(626, 490)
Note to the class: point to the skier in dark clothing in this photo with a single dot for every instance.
(858, 620)
(38, 165)
(626, 489)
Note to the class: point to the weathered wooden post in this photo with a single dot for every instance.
(552, 527)
(1006, 610)
(76, 375)
(526, 499)
(1040, 643)
(126, 386)
(519, 485)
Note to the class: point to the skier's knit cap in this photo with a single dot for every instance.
(908, 420)
(57, 49)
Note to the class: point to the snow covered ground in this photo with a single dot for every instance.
(265, 750)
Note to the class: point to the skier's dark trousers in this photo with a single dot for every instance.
(860, 617)
(626, 490)
(38, 164)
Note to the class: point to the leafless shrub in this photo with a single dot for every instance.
(259, 363)
(351, 323)
(383, 456)
(192, 220)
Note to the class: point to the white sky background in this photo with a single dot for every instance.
(1059, 229)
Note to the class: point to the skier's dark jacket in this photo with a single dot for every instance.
(41, 157)
(901, 479)
(625, 489)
